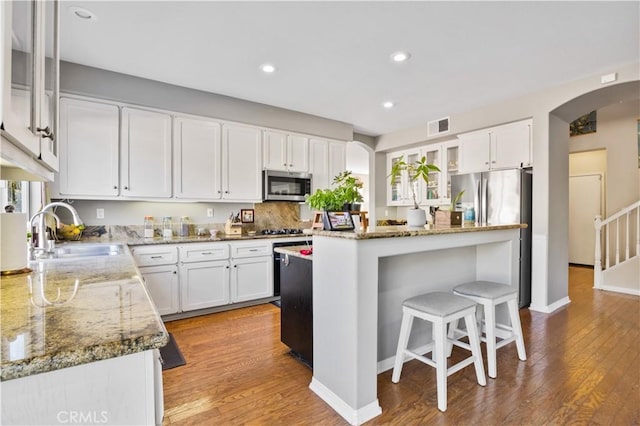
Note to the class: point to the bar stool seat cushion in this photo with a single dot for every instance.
(485, 289)
(438, 303)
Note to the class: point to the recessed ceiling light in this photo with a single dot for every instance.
(388, 104)
(267, 68)
(400, 56)
(83, 14)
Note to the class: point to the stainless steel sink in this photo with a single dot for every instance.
(70, 251)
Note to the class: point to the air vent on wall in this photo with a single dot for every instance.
(438, 127)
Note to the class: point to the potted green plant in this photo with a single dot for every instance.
(414, 170)
(325, 200)
(451, 216)
(348, 187)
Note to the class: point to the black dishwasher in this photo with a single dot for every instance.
(296, 310)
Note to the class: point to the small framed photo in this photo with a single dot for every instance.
(338, 221)
(246, 215)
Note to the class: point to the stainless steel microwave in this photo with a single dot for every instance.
(285, 186)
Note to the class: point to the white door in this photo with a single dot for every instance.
(241, 163)
(145, 157)
(319, 164)
(297, 153)
(275, 150)
(510, 145)
(88, 148)
(251, 278)
(162, 283)
(474, 152)
(197, 159)
(585, 203)
(204, 284)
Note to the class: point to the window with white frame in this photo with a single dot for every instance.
(14, 193)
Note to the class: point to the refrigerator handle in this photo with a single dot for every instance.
(476, 202)
(483, 201)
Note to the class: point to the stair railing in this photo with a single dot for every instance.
(606, 224)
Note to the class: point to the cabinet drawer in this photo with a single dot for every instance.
(155, 255)
(241, 250)
(203, 252)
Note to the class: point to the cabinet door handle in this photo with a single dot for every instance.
(115, 187)
(235, 266)
(226, 192)
(46, 132)
(126, 187)
(494, 161)
(290, 165)
(227, 267)
(175, 272)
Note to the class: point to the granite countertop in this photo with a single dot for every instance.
(207, 239)
(406, 231)
(295, 251)
(67, 313)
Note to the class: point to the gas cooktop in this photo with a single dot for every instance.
(283, 231)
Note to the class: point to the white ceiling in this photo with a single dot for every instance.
(333, 58)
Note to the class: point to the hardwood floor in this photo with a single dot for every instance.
(583, 367)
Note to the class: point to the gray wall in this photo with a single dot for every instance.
(87, 81)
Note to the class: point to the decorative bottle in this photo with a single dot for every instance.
(184, 226)
(148, 226)
(166, 227)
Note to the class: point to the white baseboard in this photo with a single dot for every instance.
(354, 417)
(552, 307)
(631, 291)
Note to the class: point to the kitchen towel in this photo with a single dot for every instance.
(13, 235)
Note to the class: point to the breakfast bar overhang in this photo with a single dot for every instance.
(359, 282)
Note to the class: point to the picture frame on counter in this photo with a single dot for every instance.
(247, 215)
(338, 221)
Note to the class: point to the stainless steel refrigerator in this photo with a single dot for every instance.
(502, 197)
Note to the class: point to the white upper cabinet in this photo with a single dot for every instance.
(145, 157)
(285, 152)
(88, 149)
(511, 145)
(501, 147)
(29, 89)
(326, 160)
(241, 163)
(197, 157)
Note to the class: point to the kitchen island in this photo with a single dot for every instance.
(79, 344)
(360, 281)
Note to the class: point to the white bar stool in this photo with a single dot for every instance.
(489, 295)
(440, 309)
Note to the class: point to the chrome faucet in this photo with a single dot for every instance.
(42, 228)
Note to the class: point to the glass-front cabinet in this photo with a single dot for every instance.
(30, 83)
(401, 193)
(432, 192)
(438, 190)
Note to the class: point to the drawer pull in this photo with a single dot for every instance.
(156, 257)
(253, 249)
(204, 253)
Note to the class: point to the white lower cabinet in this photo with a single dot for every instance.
(251, 278)
(188, 277)
(162, 283)
(204, 284)
(159, 271)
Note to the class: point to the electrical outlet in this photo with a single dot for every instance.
(209, 212)
(99, 213)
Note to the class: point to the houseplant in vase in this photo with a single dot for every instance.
(451, 216)
(414, 170)
(348, 187)
(325, 200)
